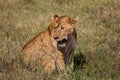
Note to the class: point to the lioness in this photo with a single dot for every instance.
(43, 47)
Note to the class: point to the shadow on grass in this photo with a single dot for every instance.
(79, 61)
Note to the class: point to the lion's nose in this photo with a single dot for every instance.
(56, 37)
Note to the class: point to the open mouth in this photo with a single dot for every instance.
(63, 42)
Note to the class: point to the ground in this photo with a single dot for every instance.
(98, 36)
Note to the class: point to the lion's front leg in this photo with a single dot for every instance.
(59, 62)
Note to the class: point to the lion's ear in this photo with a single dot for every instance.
(73, 21)
(55, 18)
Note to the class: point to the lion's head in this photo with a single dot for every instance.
(61, 27)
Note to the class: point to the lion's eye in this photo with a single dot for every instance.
(62, 27)
(55, 27)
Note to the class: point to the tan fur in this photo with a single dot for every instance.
(43, 47)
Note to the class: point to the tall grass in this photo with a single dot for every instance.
(98, 36)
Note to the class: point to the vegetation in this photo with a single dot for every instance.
(98, 36)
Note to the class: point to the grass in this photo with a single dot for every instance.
(98, 36)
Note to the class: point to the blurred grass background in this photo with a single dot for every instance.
(98, 36)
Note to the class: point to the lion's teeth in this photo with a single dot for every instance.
(61, 45)
(66, 37)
